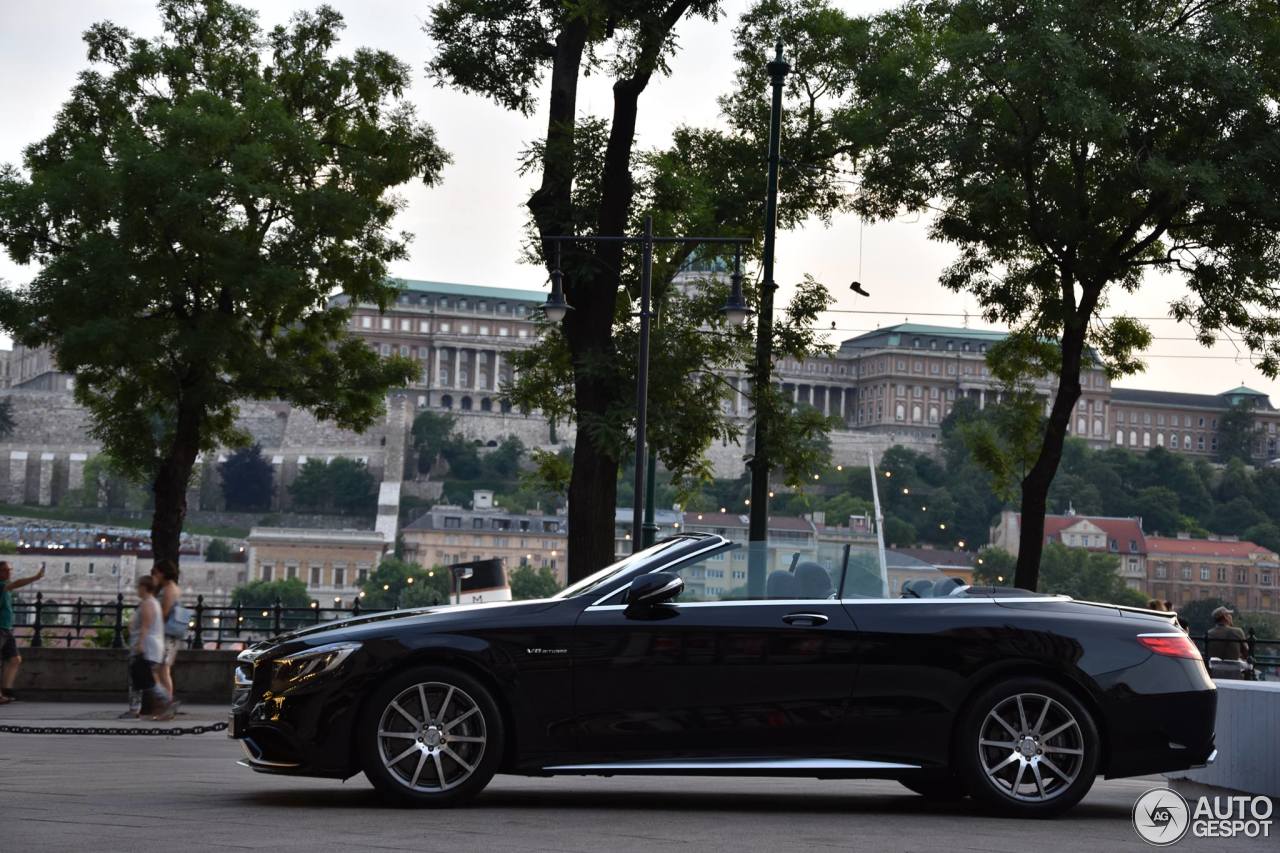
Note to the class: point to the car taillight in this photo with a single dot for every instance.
(1174, 645)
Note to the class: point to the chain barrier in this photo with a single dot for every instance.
(113, 730)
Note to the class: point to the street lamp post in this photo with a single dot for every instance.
(758, 526)
(734, 310)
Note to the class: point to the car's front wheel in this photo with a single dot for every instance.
(1028, 747)
(430, 737)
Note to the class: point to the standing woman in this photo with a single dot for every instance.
(146, 648)
(174, 618)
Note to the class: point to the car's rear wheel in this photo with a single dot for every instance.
(1028, 748)
(430, 737)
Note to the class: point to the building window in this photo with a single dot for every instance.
(366, 322)
(291, 572)
(268, 570)
(91, 568)
(1204, 573)
(1222, 574)
(315, 576)
(1161, 572)
(1186, 573)
(339, 576)
(385, 324)
(66, 568)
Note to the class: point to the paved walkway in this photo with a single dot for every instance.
(105, 793)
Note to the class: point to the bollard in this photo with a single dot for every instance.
(117, 640)
(278, 611)
(36, 642)
(197, 638)
(239, 619)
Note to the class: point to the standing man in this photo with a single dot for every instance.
(1224, 640)
(8, 648)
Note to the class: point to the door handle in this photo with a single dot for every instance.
(811, 619)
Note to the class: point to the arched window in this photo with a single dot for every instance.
(447, 401)
(486, 405)
(465, 404)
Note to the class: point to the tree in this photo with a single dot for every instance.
(898, 533)
(1236, 432)
(503, 462)
(528, 582)
(1067, 149)
(430, 432)
(396, 584)
(593, 181)
(339, 485)
(1158, 508)
(8, 547)
(1085, 575)
(994, 567)
(201, 199)
(1266, 534)
(247, 480)
(108, 484)
(6, 417)
(1198, 614)
(218, 551)
(290, 592)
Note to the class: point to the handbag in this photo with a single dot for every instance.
(176, 624)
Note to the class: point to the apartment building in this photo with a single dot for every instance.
(447, 534)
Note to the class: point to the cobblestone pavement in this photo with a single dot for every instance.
(104, 793)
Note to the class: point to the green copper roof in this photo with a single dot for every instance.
(474, 291)
(906, 329)
(1243, 390)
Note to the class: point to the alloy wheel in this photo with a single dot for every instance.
(432, 737)
(1031, 747)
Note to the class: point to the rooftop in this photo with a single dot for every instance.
(893, 335)
(1205, 547)
(476, 291)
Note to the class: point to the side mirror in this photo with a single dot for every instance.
(655, 588)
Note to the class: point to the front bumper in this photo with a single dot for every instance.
(306, 732)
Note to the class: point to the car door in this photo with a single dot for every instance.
(713, 675)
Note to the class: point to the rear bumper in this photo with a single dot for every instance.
(1159, 732)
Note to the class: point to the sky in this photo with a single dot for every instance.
(469, 228)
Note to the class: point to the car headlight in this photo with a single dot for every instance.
(309, 664)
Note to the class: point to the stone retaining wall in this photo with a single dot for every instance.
(62, 675)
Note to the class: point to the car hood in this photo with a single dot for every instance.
(444, 617)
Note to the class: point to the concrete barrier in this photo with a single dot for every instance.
(1248, 740)
(80, 675)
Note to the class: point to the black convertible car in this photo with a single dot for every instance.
(664, 664)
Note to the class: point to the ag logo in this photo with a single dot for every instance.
(1161, 817)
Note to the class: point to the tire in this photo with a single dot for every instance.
(442, 757)
(937, 790)
(1028, 748)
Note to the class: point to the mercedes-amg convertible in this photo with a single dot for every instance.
(687, 659)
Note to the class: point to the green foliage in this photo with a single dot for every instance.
(431, 430)
(246, 480)
(6, 417)
(1085, 576)
(340, 485)
(994, 567)
(202, 197)
(1066, 150)
(898, 533)
(107, 484)
(527, 582)
(1198, 614)
(398, 584)
(594, 181)
(8, 547)
(1236, 432)
(290, 592)
(219, 551)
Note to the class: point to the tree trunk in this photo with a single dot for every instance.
(1035, 485)
(170, 486)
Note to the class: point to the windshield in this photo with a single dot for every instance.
(608, 573)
